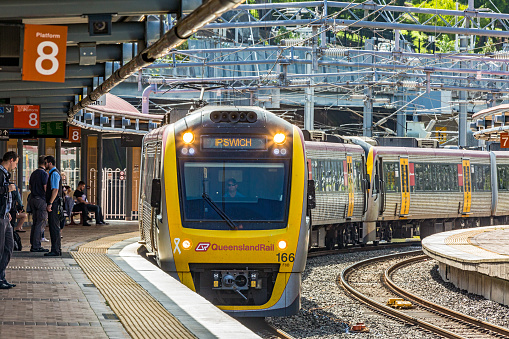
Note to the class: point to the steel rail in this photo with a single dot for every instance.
(436, 307)
(320, 252)
(386, 309)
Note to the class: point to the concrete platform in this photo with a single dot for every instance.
(475, 259)
(55, 297)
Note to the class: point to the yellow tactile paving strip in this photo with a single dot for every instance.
(141, 315)
(461, 241)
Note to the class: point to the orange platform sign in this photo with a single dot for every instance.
(27, 116)
(74, 134)
(44, 52)
(504, 140)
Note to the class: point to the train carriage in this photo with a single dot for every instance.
(224, 207)
(500, 186)
(427, 189)
(339, 174)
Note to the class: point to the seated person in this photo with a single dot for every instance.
(232, 189)
(83, 206)
(17, 211)
(68, 201)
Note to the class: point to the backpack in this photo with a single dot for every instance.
(59, 200)
(17, 242)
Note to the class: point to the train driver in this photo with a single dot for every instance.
(232, 189)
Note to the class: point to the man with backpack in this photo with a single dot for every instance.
(9, 162)
(54, 207)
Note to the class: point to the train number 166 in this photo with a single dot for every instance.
(283, 257)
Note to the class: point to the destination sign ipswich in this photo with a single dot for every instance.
(232, 142)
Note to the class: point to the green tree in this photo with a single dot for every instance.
(445, 44)
(489, 47)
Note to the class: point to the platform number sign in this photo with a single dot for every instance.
(27, 117)
(504, 140)
(44, 52)
(74, 134)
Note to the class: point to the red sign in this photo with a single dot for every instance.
(412, 173)
(44, 52)
(460, 174)
(504, 140)
(27, 116)
(202, 247)
(74, 134)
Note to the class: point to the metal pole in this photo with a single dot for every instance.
(58, 153)
(367, 122)
(401, 119)
(462, 123)
(41, 147)
(84, 156)
(129, 183)
(99, 184)
(20, 166)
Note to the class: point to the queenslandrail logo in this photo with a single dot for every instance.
(204, 246)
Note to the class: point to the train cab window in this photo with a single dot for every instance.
(480, 177)
(503, 177)
(391, 175)
(252, 194)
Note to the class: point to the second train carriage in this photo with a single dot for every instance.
(339, 174)
(410, 191)
(224, 207)
(428, 190)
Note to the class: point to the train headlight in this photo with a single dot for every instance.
(279, 138)
(188, 137)
(186, 244)
(282, 244)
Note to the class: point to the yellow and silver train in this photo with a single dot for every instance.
(224, 205)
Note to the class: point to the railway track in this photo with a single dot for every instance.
(264, 329)
(316, 252)
(370, 282)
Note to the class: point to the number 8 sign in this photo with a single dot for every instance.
(44, 52)
(26, 117)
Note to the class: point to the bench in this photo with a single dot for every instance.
(73, 214)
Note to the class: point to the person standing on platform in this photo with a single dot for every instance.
(37, 203)
(53, 197)
(9, 162)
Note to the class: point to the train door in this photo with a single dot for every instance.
(379, 180)
(154, 239)
(351, 188)
(467, 186)
(405, 186)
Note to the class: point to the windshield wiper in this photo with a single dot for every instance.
(223, 215)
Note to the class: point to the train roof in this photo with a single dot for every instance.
(335, 147)
(430, 152)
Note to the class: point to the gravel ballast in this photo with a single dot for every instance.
(327, 311)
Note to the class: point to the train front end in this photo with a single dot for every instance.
(235, 195)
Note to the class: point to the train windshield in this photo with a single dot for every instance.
(253, 195)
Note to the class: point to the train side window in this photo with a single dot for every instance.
(358, 175)
(391, 175)
(503, 177)
(376, 179)
(480, 177)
